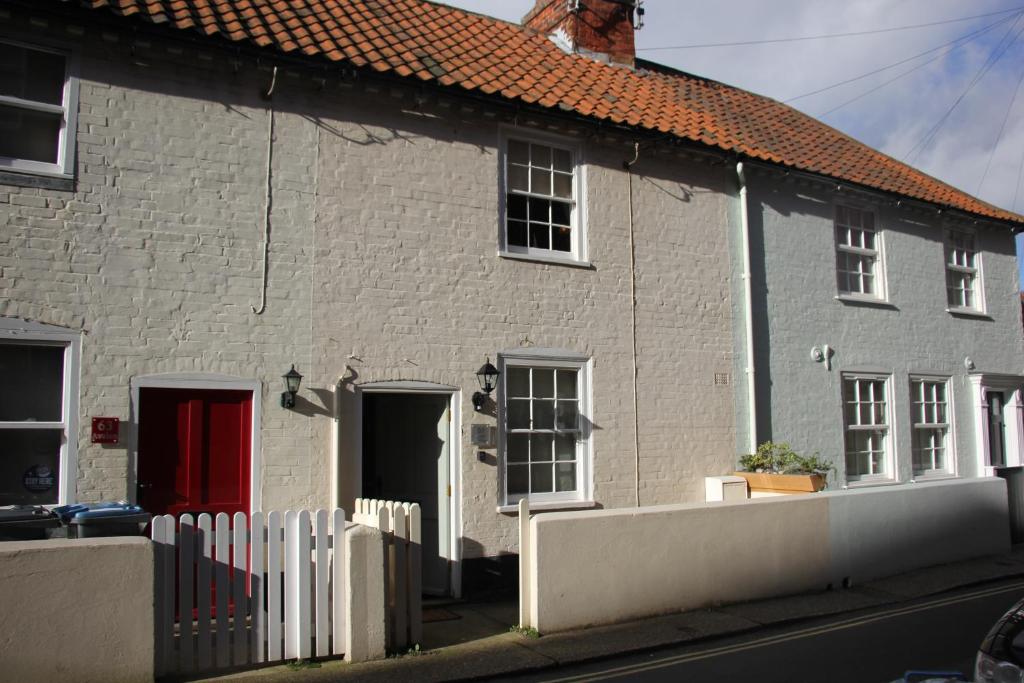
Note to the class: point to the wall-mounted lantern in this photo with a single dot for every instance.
(487, 375)
(292, 380)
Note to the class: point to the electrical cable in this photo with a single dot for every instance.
(965, 37)
(1016, 188)
(993, 58)
(999, 137)
(901, 75)
(695, 46)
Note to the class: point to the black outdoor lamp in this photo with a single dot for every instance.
(292, 380)
(487, 375)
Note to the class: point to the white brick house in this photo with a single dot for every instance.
(186, 216)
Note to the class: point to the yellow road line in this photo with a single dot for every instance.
(784, 637)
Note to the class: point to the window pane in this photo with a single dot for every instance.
(565, 447)
(562, 160)
(540, 181)
(518, 447)
(29, 463)
(518, 152)
(561, 239)
(540, 478)
(567, 415)
(867, 220)
(563, 185)
(518, 178)
(543, 383)
(517, 233)
(561, 213)
(567, 383)
(541, 155)
(518, 479)
(540, 447)
(30, 135)
(517, 207)
(518, 380)
(543, 414)
(540, 235)
(31, 74)
(519, 414)
(868, 286)
(844, 281)
(540, 210)
(39, 372)
(565, 476)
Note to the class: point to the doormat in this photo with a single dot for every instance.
(432, 614)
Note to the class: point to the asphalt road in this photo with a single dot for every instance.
(871, 646)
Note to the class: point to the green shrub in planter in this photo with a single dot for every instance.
(780, 458)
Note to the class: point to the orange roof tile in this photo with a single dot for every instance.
(428, 41)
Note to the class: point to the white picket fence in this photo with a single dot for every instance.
(401, 524)
(262, 589)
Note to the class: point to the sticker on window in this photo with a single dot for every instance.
(39, 479)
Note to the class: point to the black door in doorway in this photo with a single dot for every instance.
(405, 458)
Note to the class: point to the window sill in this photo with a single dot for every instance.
(937, 476)
(549, 507)
(969, 313)
(864, 301)
(574, 263)
(55, 181)
(869, 483)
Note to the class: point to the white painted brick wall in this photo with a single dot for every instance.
(157, 256)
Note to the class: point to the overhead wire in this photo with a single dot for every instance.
(994, 57)
(908, 71)
(1002, 127)
(824, 36)
(1016, 188)
(967, 37)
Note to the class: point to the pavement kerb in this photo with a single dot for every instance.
(514, 653)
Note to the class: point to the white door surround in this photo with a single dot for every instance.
(1013, 414)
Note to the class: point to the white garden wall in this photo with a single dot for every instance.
(585, 568)
(77, 610)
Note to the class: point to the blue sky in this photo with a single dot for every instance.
(894, 117)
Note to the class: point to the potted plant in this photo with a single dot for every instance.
(776, 468)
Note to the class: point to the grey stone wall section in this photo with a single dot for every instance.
(795, 309)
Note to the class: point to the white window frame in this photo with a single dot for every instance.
(889, 443)
(878, 254)
(68, 109)
(540, 358)
(949, 438)
(578, 254)
(975, 272)
(68, 460)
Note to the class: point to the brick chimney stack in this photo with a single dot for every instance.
(600, 28)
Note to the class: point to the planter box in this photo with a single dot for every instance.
(783, 483)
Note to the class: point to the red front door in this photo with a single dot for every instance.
(195, 451)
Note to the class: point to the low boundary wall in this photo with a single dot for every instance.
(77, 610)
(584, 568)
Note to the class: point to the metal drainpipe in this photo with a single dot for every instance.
(748, 312)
